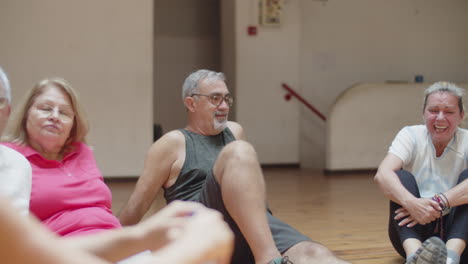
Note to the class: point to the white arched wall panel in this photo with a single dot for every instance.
(365, 119)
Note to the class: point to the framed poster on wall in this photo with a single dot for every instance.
(270, 12)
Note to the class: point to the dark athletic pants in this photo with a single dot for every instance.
(455, 223)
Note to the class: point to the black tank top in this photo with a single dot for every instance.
(200, 155)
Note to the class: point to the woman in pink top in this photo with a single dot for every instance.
(68, 192)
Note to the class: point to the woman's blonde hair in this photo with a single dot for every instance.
(16, 130)
(445, 87)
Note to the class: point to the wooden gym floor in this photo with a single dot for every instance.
(345, 212)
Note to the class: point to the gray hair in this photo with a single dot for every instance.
(5, 84)
(193, 80)
(446, 87)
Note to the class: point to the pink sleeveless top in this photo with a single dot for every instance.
(70, 196)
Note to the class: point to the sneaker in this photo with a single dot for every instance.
(432, 251)
(281, 260)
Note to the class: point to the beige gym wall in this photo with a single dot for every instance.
(104, 48)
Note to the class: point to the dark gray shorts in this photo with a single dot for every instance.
(284, 235)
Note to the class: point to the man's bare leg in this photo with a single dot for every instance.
(310, 252)
(238, 172)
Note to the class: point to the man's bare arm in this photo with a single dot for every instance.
(159, 162)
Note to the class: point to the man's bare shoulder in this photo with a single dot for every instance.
(236, 129)
(173, 136)
(170, 142)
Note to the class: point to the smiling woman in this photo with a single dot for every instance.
(425, 177)
(443, 113)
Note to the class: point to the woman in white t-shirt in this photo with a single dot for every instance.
(424, 176)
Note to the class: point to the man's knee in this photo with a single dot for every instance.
(238, 150)
(238, 154)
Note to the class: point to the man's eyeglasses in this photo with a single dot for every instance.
(3, 102)
(217, 99)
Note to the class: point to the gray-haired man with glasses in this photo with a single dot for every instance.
(209, 162)
(5, 98)
(15, 171)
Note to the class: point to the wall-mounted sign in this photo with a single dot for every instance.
(270, 12)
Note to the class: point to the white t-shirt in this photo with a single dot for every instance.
(413, 145)
(15, 178)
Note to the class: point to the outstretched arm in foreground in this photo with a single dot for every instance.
(24, 240)
(157, 233)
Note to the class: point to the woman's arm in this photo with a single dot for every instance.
(150, 234)
(415, 210)
(388, 180)
(458, 195)
(191, 239)
(24, 240)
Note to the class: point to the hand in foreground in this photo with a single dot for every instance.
(199, 236)
(157, 229)
(208, 236)
(418, 211)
